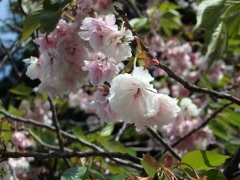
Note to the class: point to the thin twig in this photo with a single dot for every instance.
(198, 89)
(213, 115)
(38, 124)
(56, 124)
(72, 137)
(13, 173)
(45, 145)
(15, 28)
(120, 132)
(232, 166)
(169, 148)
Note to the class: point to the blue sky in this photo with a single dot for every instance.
(4, 13)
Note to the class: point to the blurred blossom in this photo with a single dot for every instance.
(189, 109)
(217, 70)
(19, 166)
(80, 99)
(178, 90)
(39, 112)
(19, 139)
(183, 124)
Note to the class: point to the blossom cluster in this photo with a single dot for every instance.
(187, 120)
(91, 49)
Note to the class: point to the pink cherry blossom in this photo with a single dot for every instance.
(101, 105)
(103, 35)
(81, 99)
(59, 66)
(100, 69)
(183, 124)
(19, 139)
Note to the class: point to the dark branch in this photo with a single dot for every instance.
(38, 124)
(169, 148)
(72, 137)
(213, 115)
(232, 166)
(45, 145)
(41, 155)
(197, 89)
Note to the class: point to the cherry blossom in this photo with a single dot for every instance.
(19, 139)
(135, 100)
(59, 66)
(81, 99)
(39, 112)
(100, 69)
(102, 106)
(103, 35)
(183, 124)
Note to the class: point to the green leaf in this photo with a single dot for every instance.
(97, 174)
(49, 20)
(138, 23)
(169, 21)
(31, 22)
(107, 130)
(115, 146)
(213, 174)
(76, 173)
(116, 177)
(77, 131)
(55, 5)
(21, 90)
(16, 112)
(208, 13)
(218, 42)
(148, 168)
(52, 11)
(218, 130)
(233, 21)
(202, 160)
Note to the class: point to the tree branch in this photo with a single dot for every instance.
(56, 124)
(48, 146)
(74, 138)
(169, 148)
(7, 154)
(38, 124)
(198, 89)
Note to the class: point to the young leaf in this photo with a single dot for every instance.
(107, 130)
(202, 160)
(167, 6)
(148, 168)
(76, 173)
(138, 23)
